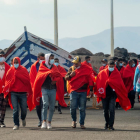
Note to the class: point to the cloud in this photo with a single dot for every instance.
(9, 2)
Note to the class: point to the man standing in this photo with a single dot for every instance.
(128, 77)
(104, 64)
(33, 74)
(88, 62)
(109, 86)
(63, 73)
(49, 82)
(18, 89)
(4, 67)
(120, 67)
(136, 82)
(79, 79)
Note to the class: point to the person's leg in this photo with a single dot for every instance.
(59, 108)
(133, 98)
(73, 105)
(23, 105)
(39, 111)
(3, 103)
(45, 101)
(14, 99)
(112, 111)
(129, 96)
(105, 103)
(52, 97)
(82, 107)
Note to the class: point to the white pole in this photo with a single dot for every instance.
(112, 30)
(55, 23)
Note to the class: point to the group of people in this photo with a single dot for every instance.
(47, 82)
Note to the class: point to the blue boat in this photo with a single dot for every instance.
(27, 47)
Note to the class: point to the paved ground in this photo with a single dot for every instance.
(127, 125)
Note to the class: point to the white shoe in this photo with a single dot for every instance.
(16, 127)
(23, 123)
(44, 125)
(49, 126)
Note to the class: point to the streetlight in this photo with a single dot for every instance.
(55, 23)
(112, 30)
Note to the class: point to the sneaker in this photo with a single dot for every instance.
(2, 124)
(49, 126)
(106, 126)
(39, 124)
(16, 127)
(44, 125)
(23, 123)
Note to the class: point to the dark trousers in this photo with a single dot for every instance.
(131, 96)
(39, 110)
(109, 110)
(138, 94)
(59, 107)
(3, 103)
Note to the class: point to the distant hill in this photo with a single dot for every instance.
(125, 37)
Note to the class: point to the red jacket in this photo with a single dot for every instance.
(2, 81)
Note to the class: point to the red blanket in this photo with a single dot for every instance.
(55, 76)
(85, 62)
(22, 74)
(2, 81)
(62, 71)
(128, 77)
(84, 75)
(116, 83)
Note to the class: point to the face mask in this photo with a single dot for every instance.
(111, 69)
(2, 59)
(139, 63)
(51, 61)
(11, 65)
(88, 61)
(16, 65)
(120, 64)
(56, 64)
(40, 61)
(116, 63)
(104, 64)
(133, 65)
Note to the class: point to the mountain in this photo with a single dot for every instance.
(124, 37)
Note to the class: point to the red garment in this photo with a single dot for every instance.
(62, 70)
(15, 79)
(41, 77)
(2, 81)
(86, 63)
(128, 77)
(116, 83)
(33, 74)
(102, 68)
(84, 75)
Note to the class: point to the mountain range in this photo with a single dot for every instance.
(124, 37)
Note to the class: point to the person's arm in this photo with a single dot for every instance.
(136, 76)
(68, 77)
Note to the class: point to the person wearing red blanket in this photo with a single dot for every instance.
(88, 62)
(33, 73)
(18, 89)
(79, 79)
(63, 73)
(120, 68)
(109, 86)
(128, 77)
(4, 67)
(104, 64)
(50, 82)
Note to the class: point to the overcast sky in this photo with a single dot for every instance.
(77, 18)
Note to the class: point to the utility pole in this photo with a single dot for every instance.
(112, 30)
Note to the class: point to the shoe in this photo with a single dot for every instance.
(60, 112)
(49, 126)
(111, 128)
(39, 124)
(44, 125)
(16, 127)
(2, 124)
(82, 127)
(106, 126)
(73, 124)
(23, 123)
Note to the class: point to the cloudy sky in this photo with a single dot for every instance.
(77, 18)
